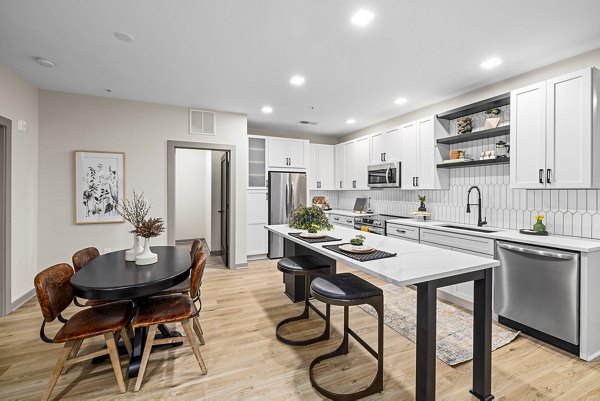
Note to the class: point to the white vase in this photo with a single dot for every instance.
(136, 249)
(146, 257)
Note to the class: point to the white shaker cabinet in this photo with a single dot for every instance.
(257, 211)
(355, 163)
(322, 165)
(555, 133)
(288, 153)
(386, 146)
(339, 166)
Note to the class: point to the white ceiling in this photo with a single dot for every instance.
(238, 55)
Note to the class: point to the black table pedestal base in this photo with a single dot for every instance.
(141, 333)
(481, 397)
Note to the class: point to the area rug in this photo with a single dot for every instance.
(454, 326)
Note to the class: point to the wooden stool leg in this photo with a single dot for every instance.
(145, 356)
(111, 344)
(198, 330)
(62, 359)
(194, 345)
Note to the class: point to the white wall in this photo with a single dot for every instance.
(215, 244)
(141, 130)
(19, 101)
(193, 194)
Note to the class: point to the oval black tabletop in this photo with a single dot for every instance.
(109, 277)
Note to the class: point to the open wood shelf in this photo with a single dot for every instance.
(498, 160)
(477, 107)
(487, 133)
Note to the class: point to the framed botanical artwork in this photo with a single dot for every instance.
(99, 186)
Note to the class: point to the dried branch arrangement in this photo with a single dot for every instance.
(135, 211)
(149, 228)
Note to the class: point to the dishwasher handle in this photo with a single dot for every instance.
(538, 252)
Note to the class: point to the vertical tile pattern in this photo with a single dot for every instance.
(568, 212)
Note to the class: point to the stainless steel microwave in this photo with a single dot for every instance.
(385, 175)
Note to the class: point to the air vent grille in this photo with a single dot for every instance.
(307, 122)
(202, 122)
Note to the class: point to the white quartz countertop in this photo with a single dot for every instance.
(348, 213)
(553, 241)
(414, 263)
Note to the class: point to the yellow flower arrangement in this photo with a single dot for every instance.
(539, 217)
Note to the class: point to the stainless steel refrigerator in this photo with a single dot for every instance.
(287, 191)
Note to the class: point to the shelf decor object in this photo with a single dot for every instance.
(492, 120)
(99, 186)
(469, 163)
(149, 228)
(312, 219)
(134, 212)
(539, 227)
(472, 136)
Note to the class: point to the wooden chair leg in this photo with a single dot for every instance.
(73, 354)
(62, 359)
(190, 335)
(126, 341)
(113, 352)
(145, 356)
(198, 330)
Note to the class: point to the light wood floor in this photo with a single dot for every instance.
(246, 362)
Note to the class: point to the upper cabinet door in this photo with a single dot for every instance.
(361, 161)
(278, 154)
(339, 167)
(393, 147)
(528, 137)
(409, 156)
(378, 147)
(349, 166)
(426, 167)
(569, 131)
(313, 168)
(297, 152)
(326, 167)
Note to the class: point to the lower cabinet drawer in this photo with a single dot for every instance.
(467, 242)
(341, 220)
(402, 231)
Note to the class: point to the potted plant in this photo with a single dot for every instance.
(492, 120)
(359, 240)
(539, 226)
(312, 219)
(147, 229)
(422, 199)
(134, 212)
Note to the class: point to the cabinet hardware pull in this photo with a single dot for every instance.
(381, 157)
(384, 156)
(401, 231)
(340, 184)
(414, 185)
(336, 218)
(541, 175)
(548, 175)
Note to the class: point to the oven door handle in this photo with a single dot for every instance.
(538, 252)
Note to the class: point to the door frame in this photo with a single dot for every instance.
(171, 148)
(5, 265)
(227, 157)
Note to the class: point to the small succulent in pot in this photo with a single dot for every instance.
(309, 218)
(422, 199)
(359, 240)
(492, 112)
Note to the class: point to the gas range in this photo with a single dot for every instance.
(375, 223)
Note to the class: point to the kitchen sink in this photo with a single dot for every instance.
(478, 229)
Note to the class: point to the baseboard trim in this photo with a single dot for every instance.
(257, 257)
(215, 253)
(22, 299)
(241, 265)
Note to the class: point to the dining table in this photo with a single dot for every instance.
(427, 268)
(109, 277)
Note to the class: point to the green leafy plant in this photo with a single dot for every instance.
(422, 198)
(492, 112)
(358, 240)
(311, 218)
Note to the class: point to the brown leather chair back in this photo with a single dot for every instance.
(83, 257)
(197, 244)
(197, 272)
(53, 289)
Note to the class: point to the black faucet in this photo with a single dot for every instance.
(480, 222)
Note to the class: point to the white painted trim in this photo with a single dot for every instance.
(22, 299)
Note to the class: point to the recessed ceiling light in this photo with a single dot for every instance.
(400, 100)
(362, 18)
(267, 109)
(491, 63)
(124, 37)
(350, 121)
(297, 80)
(44, 62)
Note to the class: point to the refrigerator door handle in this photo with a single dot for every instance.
(287, 199)
(291, 197)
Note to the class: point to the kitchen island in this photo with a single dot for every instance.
(428, 268)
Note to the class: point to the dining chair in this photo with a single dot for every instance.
(80, 259)
(184, 286)
(55, 294)
(173, 308)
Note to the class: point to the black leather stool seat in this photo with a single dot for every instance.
(300, 264)
(344, 286)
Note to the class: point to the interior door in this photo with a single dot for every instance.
(3, 231)
(225, 202)
(528, 136)
(409, 155)
(426, 154)
(569, 131)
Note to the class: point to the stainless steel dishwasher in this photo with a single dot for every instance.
(536, 290)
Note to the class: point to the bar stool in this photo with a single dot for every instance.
(304, 266)
(346, 290)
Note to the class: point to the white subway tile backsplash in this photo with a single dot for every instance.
(567, 212)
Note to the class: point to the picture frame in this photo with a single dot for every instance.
(99, 181)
